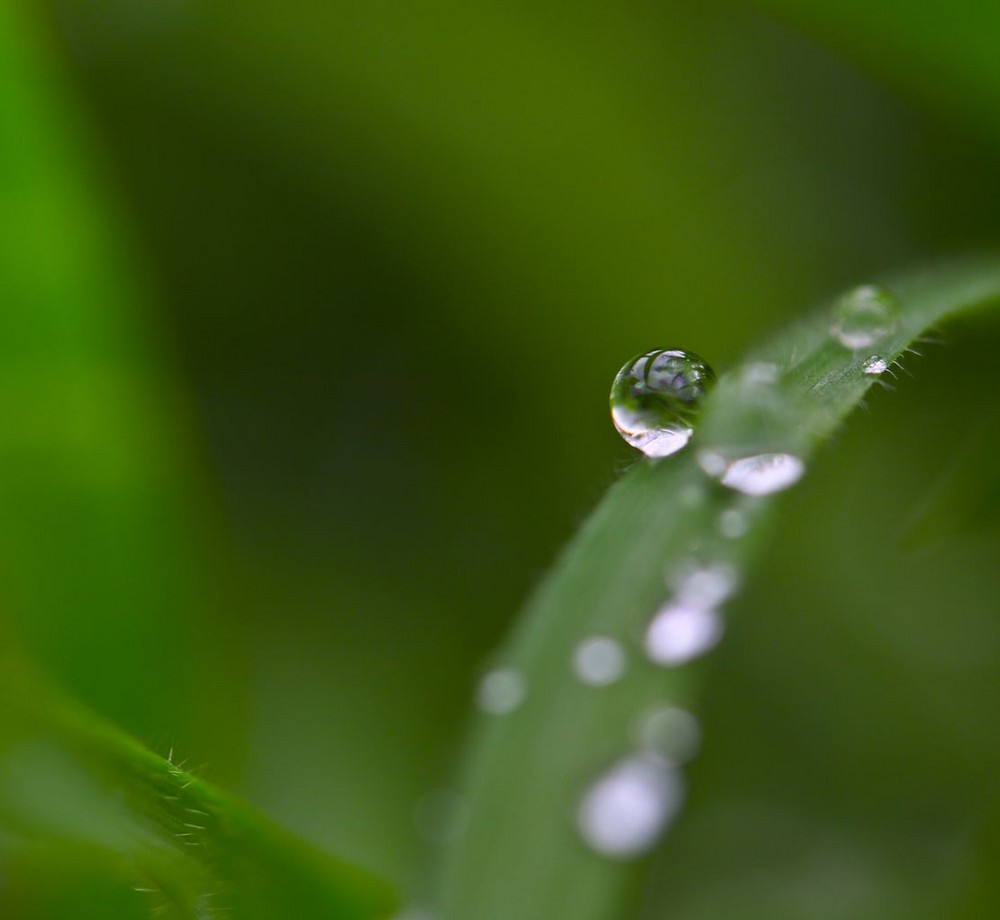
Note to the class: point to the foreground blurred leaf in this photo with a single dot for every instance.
(521, 856)
(102, 580)
(102, 543)
(75, 791)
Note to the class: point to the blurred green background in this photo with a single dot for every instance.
(309, 315)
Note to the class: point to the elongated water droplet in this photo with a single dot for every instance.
(864, 316)
(760, 474)
(679, 633)
(599, 661)
(874, 365)
(656, 399)
(501, 691)
(624, 811)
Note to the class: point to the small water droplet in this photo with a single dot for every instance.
(625, 810)
(671, 732)
(501, 691)
(864, 316)
(760, 474)
(656, 399)
(874, 365)
(679, 633)
(704, 586)
(733, 524)
(599, 661)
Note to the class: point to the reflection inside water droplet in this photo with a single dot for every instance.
(599, 661)
(656, 399)
(625, 810)
(874, 365)
(680, 633)
(864, 316)
(760, 474)
(501, 691)
(671, 732)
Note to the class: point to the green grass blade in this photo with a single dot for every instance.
(70, 782)
(521, 857)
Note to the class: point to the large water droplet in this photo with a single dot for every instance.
(864, 316)
(599, 661)
(760, 474)
(624, 811)
(679, 633)
(656, 400)
(501, 691)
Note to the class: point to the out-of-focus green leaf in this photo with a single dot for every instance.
(102, 551)
(76, 791)
(103, 583)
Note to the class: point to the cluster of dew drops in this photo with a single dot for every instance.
(656, 401)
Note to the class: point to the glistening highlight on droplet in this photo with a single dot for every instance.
(874, 365)
(657, 397)
(864, 316)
